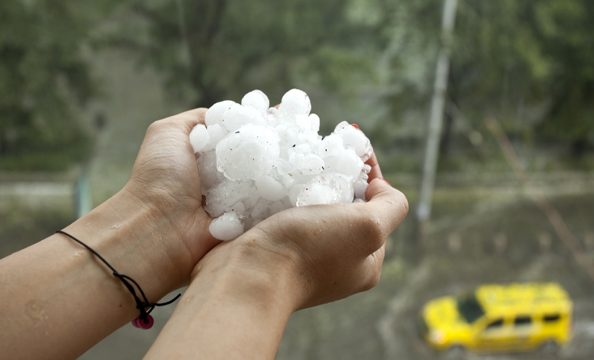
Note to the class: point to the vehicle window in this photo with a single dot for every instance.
(523, 321)
(549, 318)
(495, 324)
(470, 308)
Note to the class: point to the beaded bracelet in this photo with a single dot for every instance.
(144, 306)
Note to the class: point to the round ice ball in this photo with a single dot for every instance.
(226, 227)
(295, 102)
(256, 99)
(360, 188)
(326, 189)
(207, 161)
(214, 114)
(345, 162)
(225, 195)
(317, 194)
(354, 138)
(269, 188)
(199, 137)
(238, 115)
(247, 153)
(216, 133)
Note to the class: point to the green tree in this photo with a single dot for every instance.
(529, 63)
(221, 49)
(44, 76)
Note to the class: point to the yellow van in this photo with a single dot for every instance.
(511, 317)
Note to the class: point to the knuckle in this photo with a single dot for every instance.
(155, 126)
(404, 201)
(372, 280)
(368, 285)
(398, 199)
(197, 114)
(368, 235)
(371, 227)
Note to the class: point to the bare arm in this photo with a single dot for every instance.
(58, 300)
(231, 310)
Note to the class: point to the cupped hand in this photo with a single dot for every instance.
(327, 252)
(165, 177)
(336, 250)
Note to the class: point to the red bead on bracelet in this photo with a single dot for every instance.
(143, 323)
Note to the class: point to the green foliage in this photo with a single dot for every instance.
(529, 63)
(373, 61)
(370, 61)
(221, 49)
(44, 76)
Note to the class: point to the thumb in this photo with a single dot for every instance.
(188, 119)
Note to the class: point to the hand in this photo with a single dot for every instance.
(154, 230)
(332, 251)
(247, 289)
(165, 178)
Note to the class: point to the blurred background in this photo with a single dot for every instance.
(482, 112)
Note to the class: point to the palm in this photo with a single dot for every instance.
(166, 175)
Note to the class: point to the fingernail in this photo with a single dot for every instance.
(356, 126)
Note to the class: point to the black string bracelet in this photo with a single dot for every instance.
(144, 306)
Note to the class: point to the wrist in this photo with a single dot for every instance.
(246, 271)
(229, 295)
(137, 241)
(183, 221)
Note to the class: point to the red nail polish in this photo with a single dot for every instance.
(356, 126)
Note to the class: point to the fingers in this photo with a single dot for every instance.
(386, 204)
(374, 267)
(376, 171)
(370, 271)
(187, 119)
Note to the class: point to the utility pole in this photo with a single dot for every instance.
(436, 118)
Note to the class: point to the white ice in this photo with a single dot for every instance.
(255, 161)
(226, 227)
(199, 138)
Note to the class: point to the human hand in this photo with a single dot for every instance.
(320, 253)
(248, 288)
(165, 179)
(153, 231)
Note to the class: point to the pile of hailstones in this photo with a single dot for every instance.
(255, 160)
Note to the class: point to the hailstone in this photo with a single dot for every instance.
(255, 160)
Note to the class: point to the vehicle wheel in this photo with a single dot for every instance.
(549, 347)
(455, 352)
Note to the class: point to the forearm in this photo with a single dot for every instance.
(57, 292)
(231, 310)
